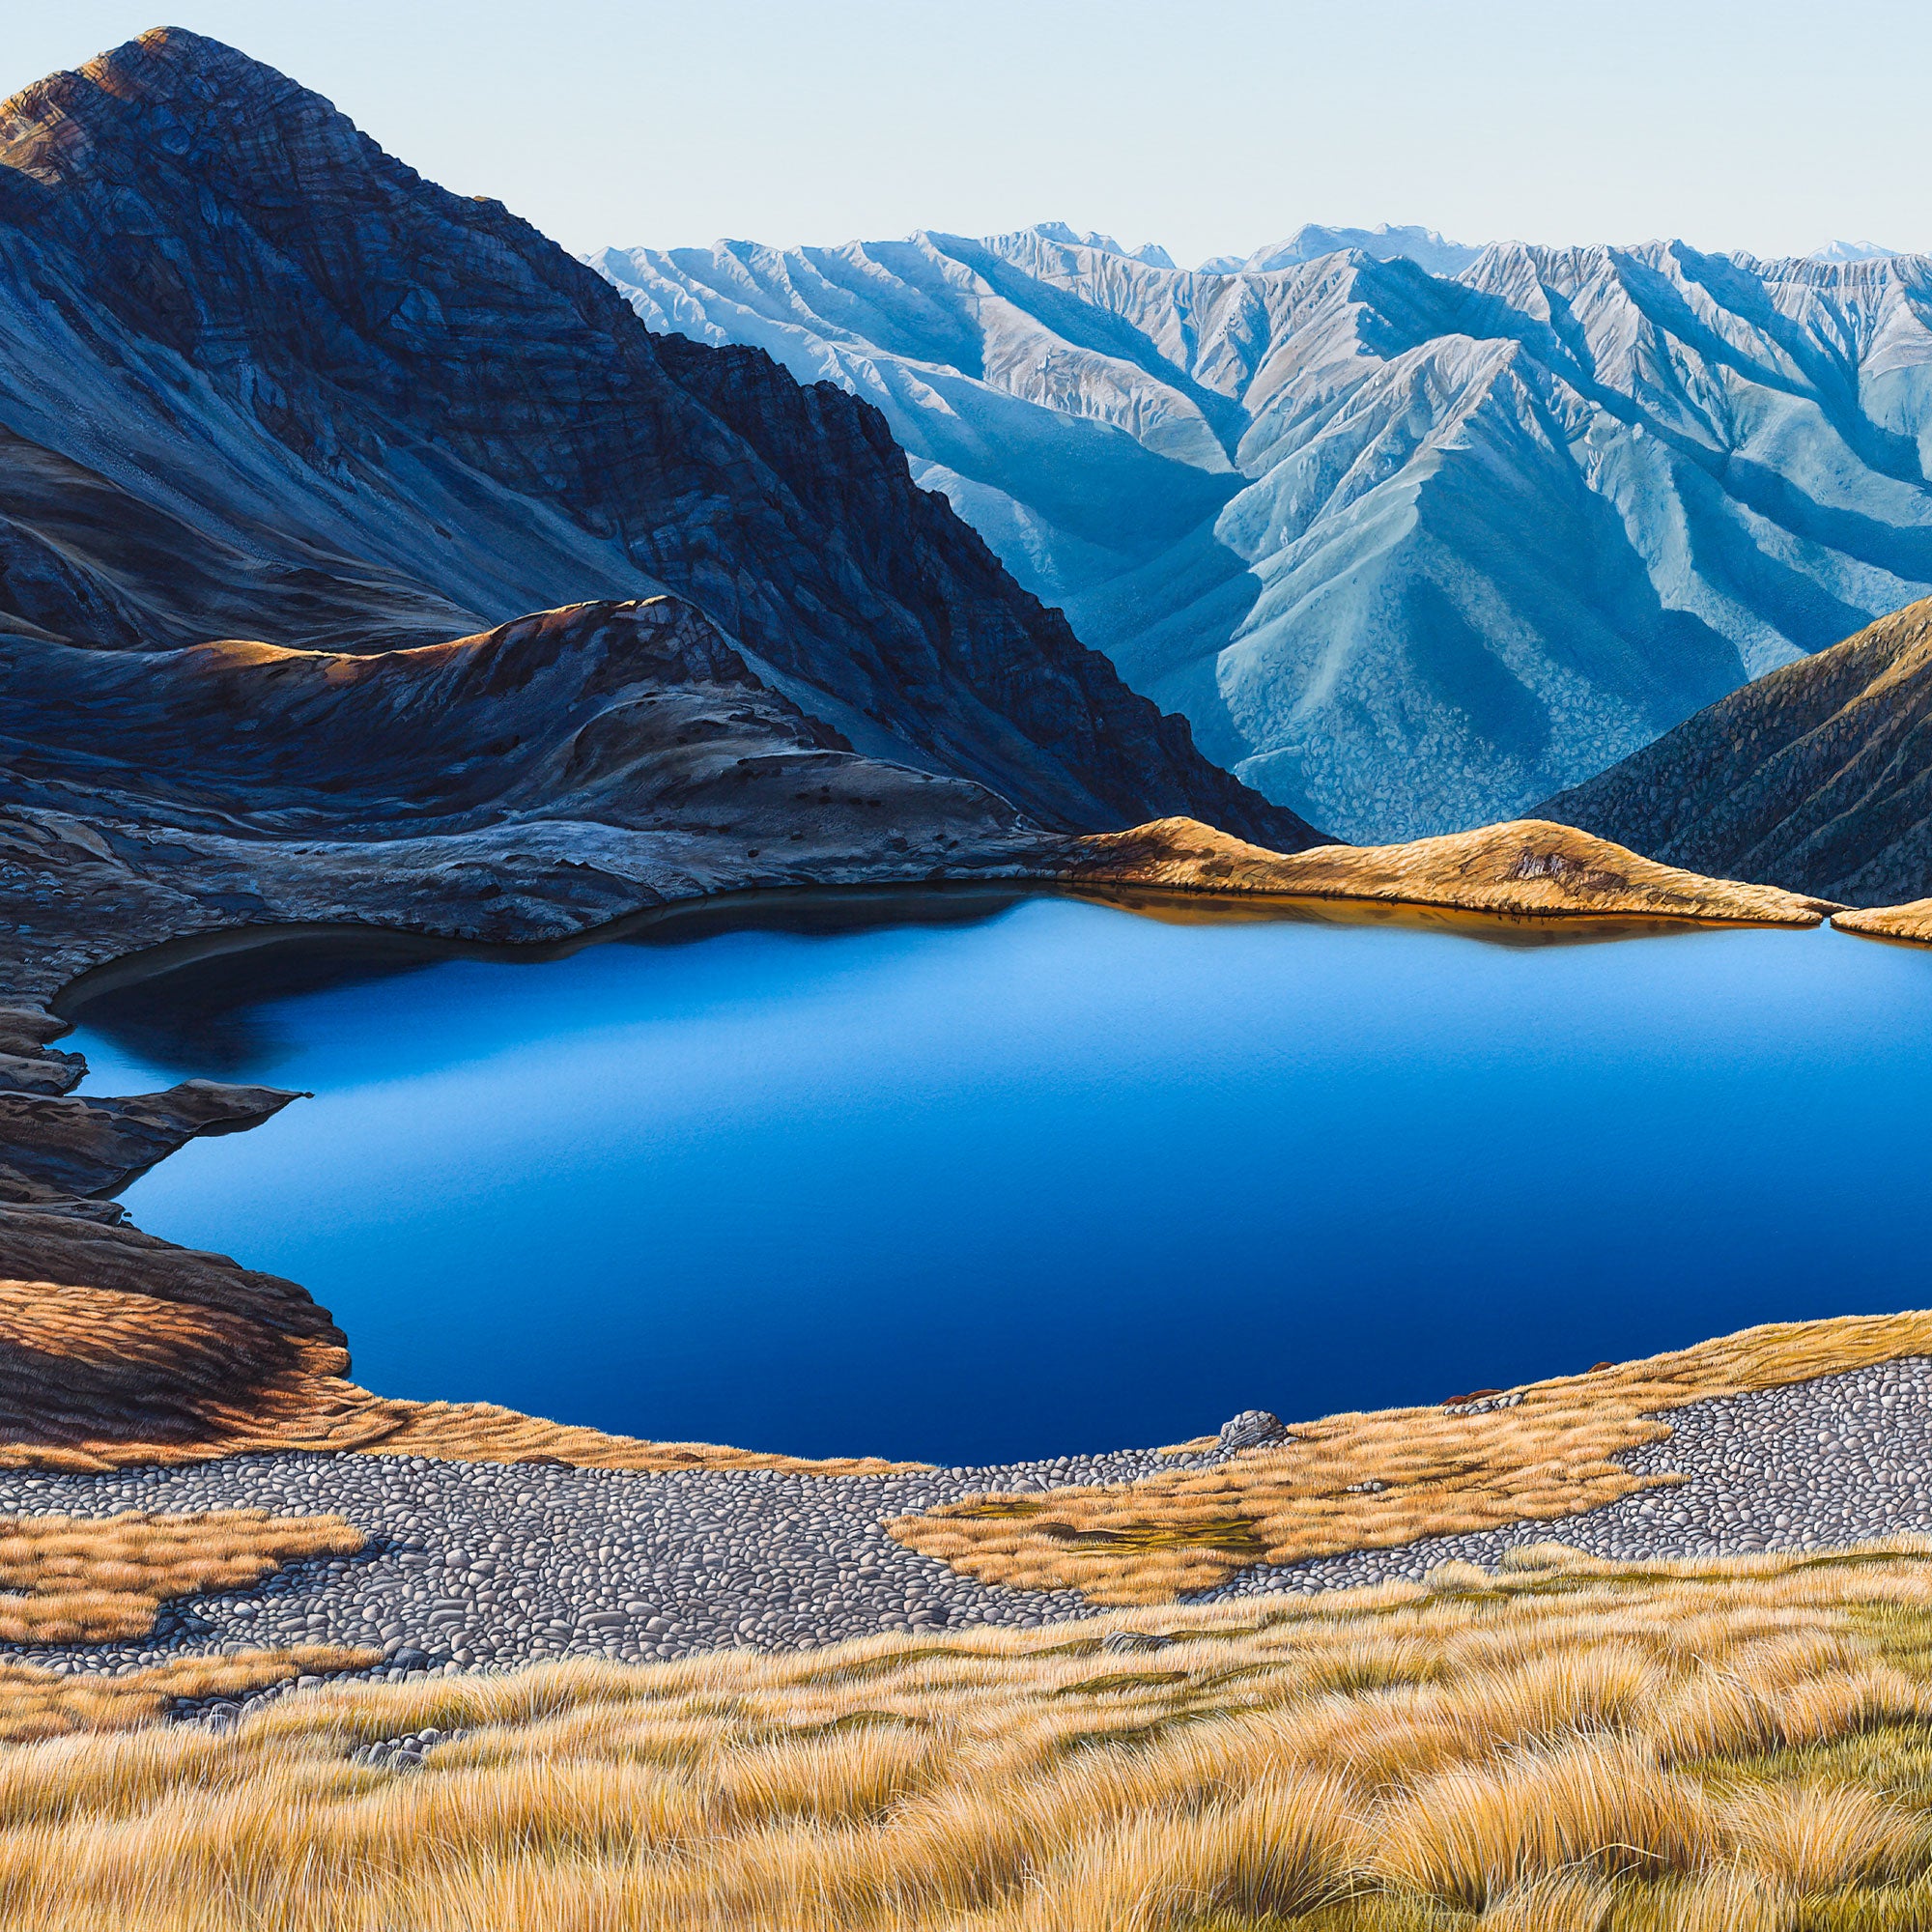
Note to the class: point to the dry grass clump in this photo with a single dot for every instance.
(37, 1703)
(92, 1580)
(1379, 1479)
(1812, 1838)
(1508, 1751)
(1480, 1831)
(1576, 1900)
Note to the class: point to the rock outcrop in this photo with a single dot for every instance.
(73, 1148)
(1816, 776)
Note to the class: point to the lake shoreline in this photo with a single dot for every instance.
(217, 1421)
(962, 1155)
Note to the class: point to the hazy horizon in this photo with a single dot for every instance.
(662, 126)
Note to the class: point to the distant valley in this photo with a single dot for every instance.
(1413, 534)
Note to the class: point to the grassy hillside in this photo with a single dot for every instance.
(1566, 1743)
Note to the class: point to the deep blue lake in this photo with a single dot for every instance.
(1048, 1176)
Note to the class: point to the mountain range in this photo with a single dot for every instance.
(1313, 239)
(260, 380)
(1412, 547)
(1817, 776)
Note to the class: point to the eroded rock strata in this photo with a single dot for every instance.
(535, 780)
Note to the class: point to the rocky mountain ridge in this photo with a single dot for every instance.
(258, 378)
(1409, 549)
(528, 784)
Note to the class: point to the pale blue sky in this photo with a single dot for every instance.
(1206, 124)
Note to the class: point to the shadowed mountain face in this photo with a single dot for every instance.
(1410, 550)
(258, 379)
(1817, 777)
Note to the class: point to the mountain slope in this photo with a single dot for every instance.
(258, 377)
(1816, 776)
(1410, 551)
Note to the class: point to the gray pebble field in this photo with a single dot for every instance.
(479, 1564)
(476, 1566)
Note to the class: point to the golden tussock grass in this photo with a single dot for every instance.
(1524, 869)
(1912, 921)
(1478, 1831)
(1509, 1751)
(1575, 1900)
(1379, 1479)
(96, 1580)
(92, 1580)
(480, 1431)
(99, 1378)
(39, 1703)
(1811, 1838)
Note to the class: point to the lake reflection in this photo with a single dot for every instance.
(1043, 1176)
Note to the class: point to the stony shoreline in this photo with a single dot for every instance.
(478, 1565)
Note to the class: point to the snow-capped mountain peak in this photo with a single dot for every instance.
(1149, 252)
(1851, 251)
(1423, 247)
